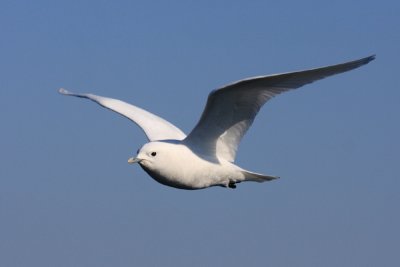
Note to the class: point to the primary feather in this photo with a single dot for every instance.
(230, 110)
(154, 127)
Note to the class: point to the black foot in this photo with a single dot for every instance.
(232, 185)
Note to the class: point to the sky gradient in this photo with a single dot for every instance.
(68, 197)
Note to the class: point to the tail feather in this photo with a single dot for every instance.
(257, 177)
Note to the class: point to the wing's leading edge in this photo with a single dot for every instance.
(230, 110)
(154, 127)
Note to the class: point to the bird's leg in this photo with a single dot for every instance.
(232, 184)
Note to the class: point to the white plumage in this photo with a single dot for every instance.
(205, 157)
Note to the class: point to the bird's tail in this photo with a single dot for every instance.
(257, 177)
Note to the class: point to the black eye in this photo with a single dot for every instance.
(153, 154)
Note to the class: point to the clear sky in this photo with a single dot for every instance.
(68, 197)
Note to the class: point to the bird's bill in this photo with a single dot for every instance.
(134, 160)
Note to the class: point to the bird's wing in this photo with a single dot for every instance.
(230, 110)
(154, 127)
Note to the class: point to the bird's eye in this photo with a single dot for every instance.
(153, 154)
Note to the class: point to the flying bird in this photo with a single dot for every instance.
(205, 157)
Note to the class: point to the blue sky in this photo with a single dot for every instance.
(69, 198)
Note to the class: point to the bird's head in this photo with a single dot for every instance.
(163, 161)
(154, 155)
(147, 154)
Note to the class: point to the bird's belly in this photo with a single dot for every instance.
(192, 178)
(170, 180)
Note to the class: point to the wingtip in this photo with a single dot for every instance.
(368, 59)
(372, 57)
(359, 62)
(69, 93)
(63, 91)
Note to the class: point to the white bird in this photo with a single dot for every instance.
(206, 156)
